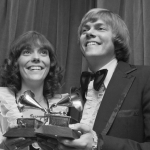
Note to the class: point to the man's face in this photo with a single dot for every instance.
(96, 40)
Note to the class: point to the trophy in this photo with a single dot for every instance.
(55, 124)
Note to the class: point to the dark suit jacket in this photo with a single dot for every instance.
(123, 119)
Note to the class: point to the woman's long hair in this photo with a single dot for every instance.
(10, 75)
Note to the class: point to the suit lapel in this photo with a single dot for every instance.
(111, 100)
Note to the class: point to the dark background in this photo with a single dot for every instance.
(58, 20)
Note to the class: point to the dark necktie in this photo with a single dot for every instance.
(98, 77)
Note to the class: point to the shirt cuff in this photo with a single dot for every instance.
(95, 140)
(100, 142)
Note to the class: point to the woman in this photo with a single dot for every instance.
(31, 65)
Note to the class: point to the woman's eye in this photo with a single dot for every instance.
(44, 52)
(26, 52)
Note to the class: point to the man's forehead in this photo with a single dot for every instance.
(96, 22)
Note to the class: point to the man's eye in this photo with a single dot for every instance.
(101, 28)
(83, 30)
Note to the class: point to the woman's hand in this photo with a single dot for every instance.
(17, 143)
(85, 141)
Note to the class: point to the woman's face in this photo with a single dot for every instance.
(34, 64)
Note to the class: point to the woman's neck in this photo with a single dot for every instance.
(37, 90)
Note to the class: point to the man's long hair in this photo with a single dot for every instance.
(118, 26)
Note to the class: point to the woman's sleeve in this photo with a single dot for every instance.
(8, 106)
(1, 134)
(9, 113)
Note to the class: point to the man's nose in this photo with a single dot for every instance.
(90, 34)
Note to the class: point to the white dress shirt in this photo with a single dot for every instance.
(94, 98)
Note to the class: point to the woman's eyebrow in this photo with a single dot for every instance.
(43, 47)
(25, 47)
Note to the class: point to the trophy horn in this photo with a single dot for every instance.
(27, 99)
(74, 99)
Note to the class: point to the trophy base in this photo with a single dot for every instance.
(20, 132)
(56, 131)
(44, 131)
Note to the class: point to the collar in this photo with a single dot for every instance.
(110, 66)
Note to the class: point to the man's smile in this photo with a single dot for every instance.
(92, 43)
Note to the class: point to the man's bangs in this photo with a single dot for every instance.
(105, 16)
(91, 18)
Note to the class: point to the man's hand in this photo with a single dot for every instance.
(47, 143)
(83, 143)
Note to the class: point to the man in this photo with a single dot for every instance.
(118, 111)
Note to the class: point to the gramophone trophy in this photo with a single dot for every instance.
(55, 124)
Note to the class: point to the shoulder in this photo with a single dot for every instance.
(142, 71)
(8, 102)
(133, 69)
(143, 68)
(5, 93)
(4, 89)
(141, 74)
